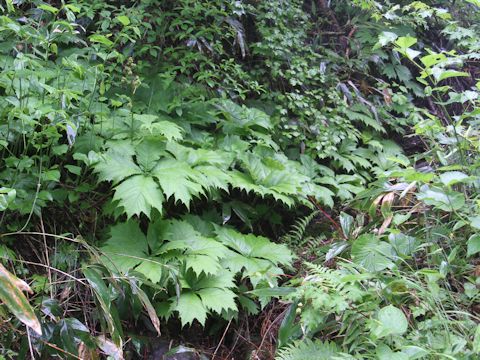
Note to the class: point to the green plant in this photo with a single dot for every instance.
(309, 350)
(155, 153)
(420, 241)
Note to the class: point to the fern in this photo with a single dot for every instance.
(309, 350)
(297, 234)
(327, 292)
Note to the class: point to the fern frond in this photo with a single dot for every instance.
(296, 235)
(308, 350)
(312, 243)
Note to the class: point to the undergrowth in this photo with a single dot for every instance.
(277, 179)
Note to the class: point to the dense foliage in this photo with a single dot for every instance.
(253, 179)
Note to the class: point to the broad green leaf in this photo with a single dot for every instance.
(240, 118)
(150, 124)
(288, 329)
(198, 253)
(190, 307)
(11, 295)
(440, 73)
(48, 8)
(256, 257)
(372, 254)
(452, 177)
(152, 268)
(412, 54)
(443, 200)
(254, 246)
(432, 59)
(116, 166)
(169, 130)
(248, 305)
(245, 182)
(475, 222)
(139, 194)
(223, 280)
(267, 179)
(476, 338)
(473, 244)
(148, 153)
(178, 179)
(385, 353)
(403, 73)
(403, 46)
(403, 245)
(346, 222)
(405, 42)
(201, 263)
(386, 37)
(391, 321)
(77, 170)
(414, 352)
(320, 193)
(126, 247)
(124, 20)
(213, 177)
(218, 300)
(102, 39)
(7, 196)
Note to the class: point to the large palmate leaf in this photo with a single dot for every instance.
(178, 179)
(127, 250)
(151, 125)
(267, 179)
(154, 268)
(136, 192)
(212, 177)
(190, 307)
(195, 157)
(139, 194)
(372, 254)
(203, 294)
(199, 253)
(126, 247)
(217, 299)
(254, 246)
(256, 256)
(115, 166)
(148, 152)
(240, 119)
